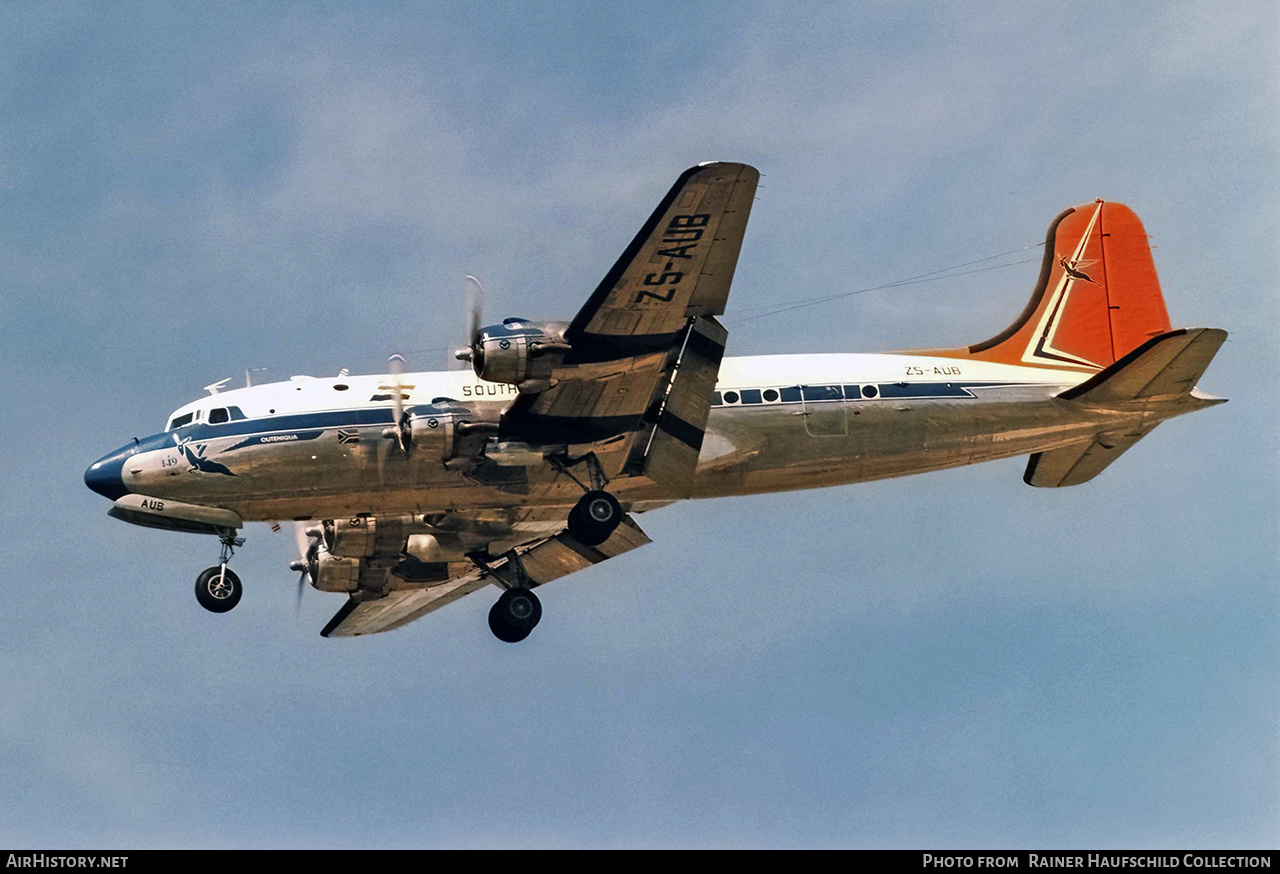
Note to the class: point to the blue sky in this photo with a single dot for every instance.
(942, 661)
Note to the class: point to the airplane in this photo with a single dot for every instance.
(411, 490)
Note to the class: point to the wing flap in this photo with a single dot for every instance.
(671, 456)
(562, 554)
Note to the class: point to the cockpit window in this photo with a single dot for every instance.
(179, 421)
(218, 416)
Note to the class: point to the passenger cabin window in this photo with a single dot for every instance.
(821, 392)
(179, 421)
(218, 416)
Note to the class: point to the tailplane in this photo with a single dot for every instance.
(1162, 372)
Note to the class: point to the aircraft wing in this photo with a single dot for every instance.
(543, 561)
(649, 321)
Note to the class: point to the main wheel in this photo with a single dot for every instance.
(514, 615)
(596, 516)
(218, 589)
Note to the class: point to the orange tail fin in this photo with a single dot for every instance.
(1097, 297)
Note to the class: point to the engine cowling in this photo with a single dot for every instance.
(436, 430)
(331, 573)
(433, 430)
(363, 536)
(518, 352)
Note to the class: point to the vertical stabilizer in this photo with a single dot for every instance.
(1097, 297)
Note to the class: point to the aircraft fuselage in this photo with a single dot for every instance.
(315, 448)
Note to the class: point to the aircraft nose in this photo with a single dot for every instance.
(105, 477)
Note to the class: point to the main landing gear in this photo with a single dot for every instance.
(594, 517)
(597, 514)
(515, 615)
(517, 610)
(218, 588)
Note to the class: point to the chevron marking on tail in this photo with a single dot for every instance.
(1041, 350)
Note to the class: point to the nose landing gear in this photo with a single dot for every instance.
(218, 589)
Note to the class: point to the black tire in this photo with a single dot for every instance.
(217, 592)
(595, 517)
(514, 615)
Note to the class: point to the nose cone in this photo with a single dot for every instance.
(104, 476)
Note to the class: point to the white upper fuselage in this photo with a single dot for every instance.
(303, 394)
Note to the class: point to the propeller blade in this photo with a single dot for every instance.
(475, 308)
(395, 364)
(400, 427)
(300, 537)
(308, 550)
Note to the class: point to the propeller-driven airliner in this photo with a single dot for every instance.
(411, 490)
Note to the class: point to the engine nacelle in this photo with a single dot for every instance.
(433, 430)
(330, 573)
(362, 536)
(438, 431)
(518, 352)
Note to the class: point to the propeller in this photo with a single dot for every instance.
(399, 427)
(308, 540)
(475, 307)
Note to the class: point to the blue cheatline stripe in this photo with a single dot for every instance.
(923, 390)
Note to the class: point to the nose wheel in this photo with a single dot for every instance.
(218, 589)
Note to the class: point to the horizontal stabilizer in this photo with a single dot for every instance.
(1080, 462)
(1166, 366)
(1169, 364)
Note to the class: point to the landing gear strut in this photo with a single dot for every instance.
(218, 589)
(597, 514)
